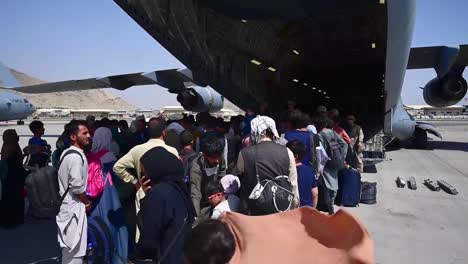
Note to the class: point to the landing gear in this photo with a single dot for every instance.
(20, 122)
(420, 138)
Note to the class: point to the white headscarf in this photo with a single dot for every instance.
(102, 140)
(260, 125)
(231, 184)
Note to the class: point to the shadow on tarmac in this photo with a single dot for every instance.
(447, 145)
(33, 242)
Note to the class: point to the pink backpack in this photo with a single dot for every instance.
(96, 180)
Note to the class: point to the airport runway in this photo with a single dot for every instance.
(407, 226)
(421, 226)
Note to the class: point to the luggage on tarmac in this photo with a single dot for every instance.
(349, 187)
(42, 186)
(368, 192)
(412, 183)
(447, 187)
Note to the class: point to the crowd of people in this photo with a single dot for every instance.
(171, 180)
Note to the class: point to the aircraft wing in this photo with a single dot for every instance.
(433, 57)
(173, 80)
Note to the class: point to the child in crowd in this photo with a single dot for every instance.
(308, 191)
(38, 150)
(36, 142)
(219, 200)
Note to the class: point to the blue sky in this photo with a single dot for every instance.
(58, 40)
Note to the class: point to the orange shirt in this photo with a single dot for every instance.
(340, 131)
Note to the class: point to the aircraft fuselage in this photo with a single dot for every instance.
(346, 55)
(13, 107)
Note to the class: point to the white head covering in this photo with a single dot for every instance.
(102, 140)
(260, 125)
(231, 183)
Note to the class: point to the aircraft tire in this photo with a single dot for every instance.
(20, 122)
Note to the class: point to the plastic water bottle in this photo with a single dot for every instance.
(90, 252)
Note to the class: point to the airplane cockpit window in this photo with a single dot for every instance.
(26, 101)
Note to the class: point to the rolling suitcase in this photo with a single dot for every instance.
(349, 188)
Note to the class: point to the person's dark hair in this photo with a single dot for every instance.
(154, 118)
(35, 126)
(105, 122)
(156, 131)
(74, 127)
(211, 242)
(213, 187)
(141, 121)
(211, 122)
(298, 148)
(212, 146)
(202, 117)
(186, 138)
(115, 123)
(321, 122)
(123, 123)
(252, 109)
(299, 119)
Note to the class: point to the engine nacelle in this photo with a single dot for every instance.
(201, 99)
(446, 91)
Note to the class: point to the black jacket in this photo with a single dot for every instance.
(163, 214)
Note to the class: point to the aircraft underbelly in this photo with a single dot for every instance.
(329, 53)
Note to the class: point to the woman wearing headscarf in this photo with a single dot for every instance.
(167, 212)
(12, 202)
(270, 158)
(107, 205)
(102, 141)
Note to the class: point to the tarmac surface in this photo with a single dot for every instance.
(408, 226)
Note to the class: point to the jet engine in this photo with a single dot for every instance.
(446, 91)
(201, 99)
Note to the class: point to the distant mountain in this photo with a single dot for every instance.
(88, 99)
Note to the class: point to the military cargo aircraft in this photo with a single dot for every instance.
(349, 55)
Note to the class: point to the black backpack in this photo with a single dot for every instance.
(43, 189)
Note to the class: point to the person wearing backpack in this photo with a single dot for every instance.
(187, 154)
(72, 179)
(264, 161)
(107, 208)
(335, 148)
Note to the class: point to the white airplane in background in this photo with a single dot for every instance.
(12, 106)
